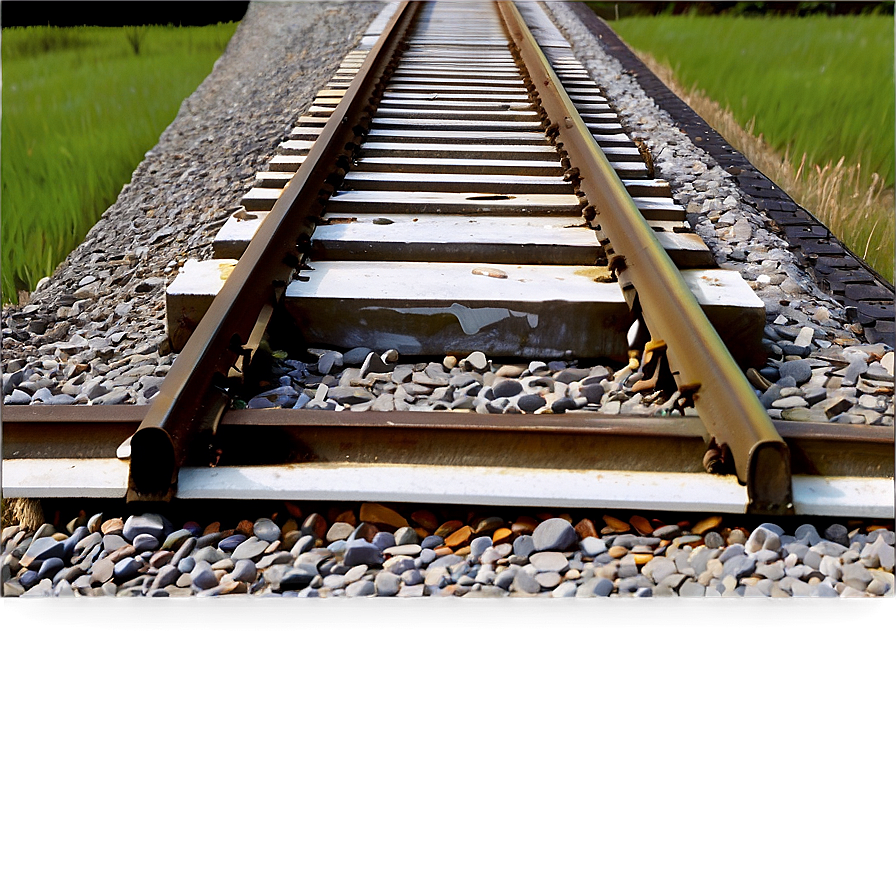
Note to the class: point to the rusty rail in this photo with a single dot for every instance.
(193, 396)
(699, 359)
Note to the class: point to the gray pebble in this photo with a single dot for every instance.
(244, 571)
(554, 534)
(361, 588)
(387, 583)
(596, 587)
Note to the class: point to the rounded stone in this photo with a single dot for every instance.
(250, 549)
(361, 588)
(549, 561)
(838, 533)
(526, 583)
(166, 576)
(507, 388)
(145, 542)
(596, 587)
(362, 552)
(592, 546)
(339, 532)
(126, 569)
(387, 584)
(266, 529)
(530, 403)
(554, 534)
(799, 369)
(762, 538)
(42, 549)
(232, 542)
(50, 567)
(144, 524)
(523, 545)
(244, 571)
(203, 576)
(383, 540)
(406, 535)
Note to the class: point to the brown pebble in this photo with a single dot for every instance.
(126, 550)
(459, 537)
(160, 558)
(315, 525)
(640, 558)
(422, 533)
(347, 516)
(585, 528)
(289, 526)
(113, 527)
(705, 525)
(488, 525)
(464, 551)
(382, 516)
(502, 536)
(615, 525)
(641, 525)
(102, 571)
(273, 547)
(293, 509)
(448, 527)
(366, 531)
(245, 527)
(426, 519)
(524, 525)
(442, 551)
(617, 551)
(211, 528)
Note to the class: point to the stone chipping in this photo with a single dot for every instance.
(372, 550)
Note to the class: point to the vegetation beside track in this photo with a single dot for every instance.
(81, 106)
(808, 100)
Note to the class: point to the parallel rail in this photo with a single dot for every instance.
(150, 454)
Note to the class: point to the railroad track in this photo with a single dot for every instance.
(459, 193)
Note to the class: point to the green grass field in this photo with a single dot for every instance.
(820, 86)
(816, 89)
(81, 106)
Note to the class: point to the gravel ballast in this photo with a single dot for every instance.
(386, 551)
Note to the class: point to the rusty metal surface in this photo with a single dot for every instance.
(586, 444)
(650, 444)
(725, 400)
(45, 431)
(191, 398)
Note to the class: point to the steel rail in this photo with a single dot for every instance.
(648, 463)
(724, 399)
(193, 397)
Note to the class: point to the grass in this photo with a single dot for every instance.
(81, 106)
(809, 101)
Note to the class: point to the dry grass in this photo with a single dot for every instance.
(854, 204)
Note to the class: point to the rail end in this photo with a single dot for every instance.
(153, 470)
(769, 482)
